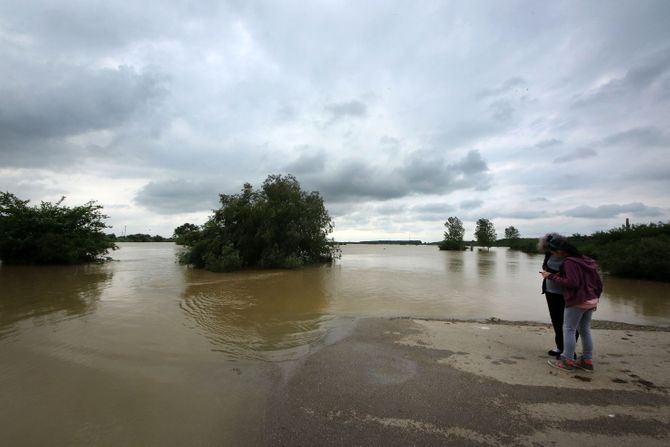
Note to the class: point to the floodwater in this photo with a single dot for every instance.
(143, 351)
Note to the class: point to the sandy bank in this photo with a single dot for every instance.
(626, 357)
(418, 382)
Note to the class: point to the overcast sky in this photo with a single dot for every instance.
(545, 115)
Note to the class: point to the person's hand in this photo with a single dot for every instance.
(545, 274)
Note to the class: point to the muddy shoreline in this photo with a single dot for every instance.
(408, 381)
(595, 324)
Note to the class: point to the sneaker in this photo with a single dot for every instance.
(585, 364)
(554, 352)
(564, 364)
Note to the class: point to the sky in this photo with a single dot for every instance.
(549, 116)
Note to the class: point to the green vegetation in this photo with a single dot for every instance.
(186, 234)
(485, 233)
(277, 226)
(139, 237)
(525, 244)
(511, 233)
(391, 242)
(51, 233)
(453, 237)
(637, 251)
(633, 251)
(514, 241)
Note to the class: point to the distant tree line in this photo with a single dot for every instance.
(139, 237)
(635, 251)
(282, 226)
(485, 234)
(392, 242)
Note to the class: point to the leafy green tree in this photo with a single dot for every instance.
(51, 233)
(186, 234)
(485, 233)
(453, 237)
(511, 233)
(277, 226)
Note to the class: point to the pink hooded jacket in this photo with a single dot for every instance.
(580, 280)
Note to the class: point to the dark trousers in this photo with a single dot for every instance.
(556, 306)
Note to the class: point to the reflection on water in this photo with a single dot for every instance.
(651, 299)
(512, 263)
(48, 293)
(455, 262)
(258, 314)
(485, 262)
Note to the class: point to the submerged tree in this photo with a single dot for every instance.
(186, 234)
(51, 233)
(485, 233)
(277, 226)
(453, 237)
(511, 233)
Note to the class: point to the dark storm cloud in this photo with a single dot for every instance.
(422, 173)
(507, 86)
(471, 204)
(502, 110)
(458, 133)
(357, 181)
(547, 143)
(180, 196)
(308, 162)
(41, 109)
(577, 154)
(340, 110)
(639, 137)
(640, 78)
(26, 188)
(472, 163)
(519, 214)
(433, 210)
(81, 26)
(636, 209)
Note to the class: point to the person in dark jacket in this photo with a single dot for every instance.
(553, 291)
(582, 287)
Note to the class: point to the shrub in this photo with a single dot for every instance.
(645, 258)
(51, 233)
(279, 226)
(452, 245)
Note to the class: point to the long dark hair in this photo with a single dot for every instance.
(543, 244)
(565, 246)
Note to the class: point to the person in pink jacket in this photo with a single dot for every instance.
(582, 287)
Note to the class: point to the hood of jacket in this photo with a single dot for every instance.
(584, 261)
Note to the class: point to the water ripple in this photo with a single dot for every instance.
(264, 316)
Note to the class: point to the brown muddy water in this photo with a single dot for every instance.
(143, 351)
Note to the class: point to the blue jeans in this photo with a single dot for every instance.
(577, 318)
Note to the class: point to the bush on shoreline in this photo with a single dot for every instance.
(636, 251)
(51, 233)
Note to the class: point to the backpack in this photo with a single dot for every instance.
(593, 282)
